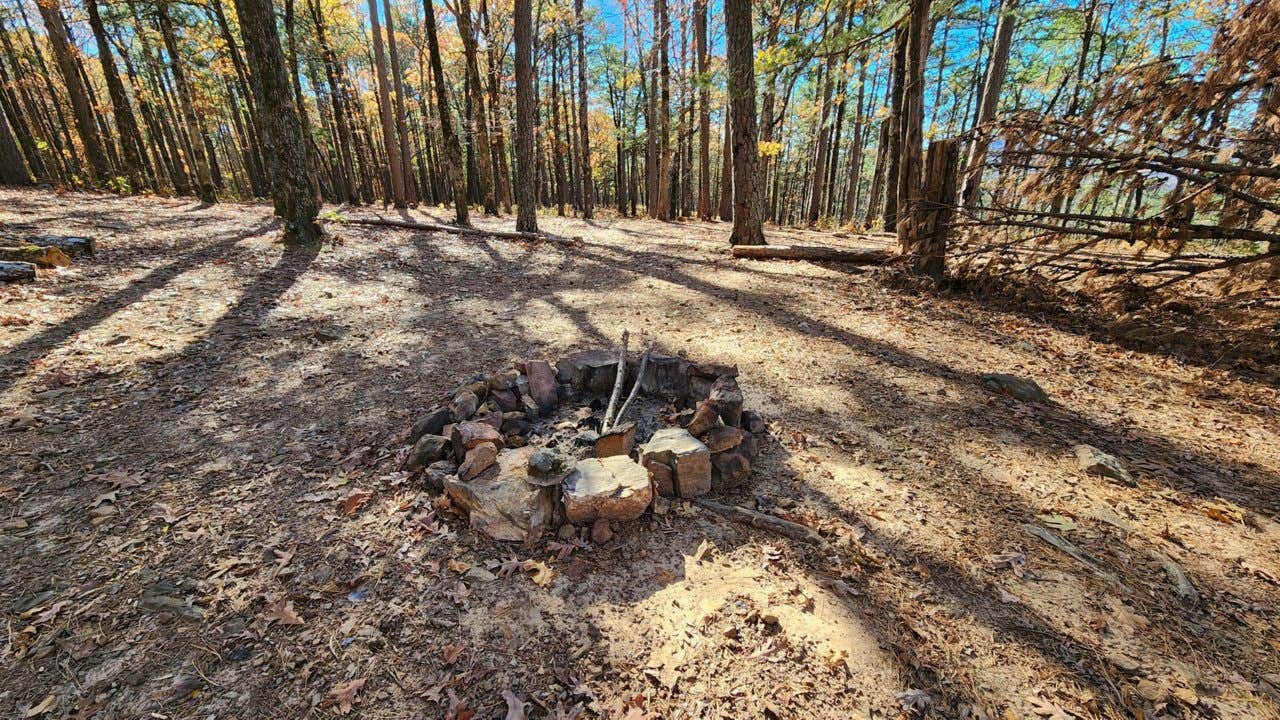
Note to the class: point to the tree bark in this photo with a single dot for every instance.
(911, 127)
(485, 176)
(389, 138)
(996, 68)
(126, 124)
(452, 150)
(205, 189)
(292, 189)
(747, 226)
(584, 148)
(704, 111)
(78, 94)
(526, 171)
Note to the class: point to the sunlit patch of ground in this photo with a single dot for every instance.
(200, 512)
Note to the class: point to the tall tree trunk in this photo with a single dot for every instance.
(291, 185)
(584, 148)
(501, 173)
(199, 158)
(485, 175)
(390, 141)
(911, 128)
(996, 68)
(126, 124)
(526, 173)
(662, 38)
(402, 124)
(13, 168)
(704, 111)
(894, 150)
(726, 168)
(452, 150)
(855, 154)
(747, 226)
(77, 92)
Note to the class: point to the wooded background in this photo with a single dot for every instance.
(1078, 129)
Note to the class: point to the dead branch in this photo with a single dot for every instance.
(635, 388)
(762, 521)
(812, 252)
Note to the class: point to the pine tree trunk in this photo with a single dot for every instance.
(292, 190)
(911, 128)
(390, 141)
(199, 158)
(584, 147)
(452, 149)
(747, 226)
(126, 124)
(402, 125)
(480, 125)
(13, 168)
(726, 168)
(526, 172)
(704, 111)
(994, 80)
(77, 92)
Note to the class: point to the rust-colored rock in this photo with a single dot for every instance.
(619, 441)
(704, 418)
(542, 385)
(467, 435)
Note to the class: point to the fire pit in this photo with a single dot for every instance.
(532, 447)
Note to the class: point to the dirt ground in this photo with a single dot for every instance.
(201, 513)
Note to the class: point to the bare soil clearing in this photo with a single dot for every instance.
(201, 515)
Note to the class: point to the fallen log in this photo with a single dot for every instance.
(17, 271)
(812, 252)
(70, 245)
(763, 521)
(457, 230)
(45, 257)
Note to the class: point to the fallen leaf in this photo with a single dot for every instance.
(344, 694)
(538, 572)
(458, 566)
(515, 706)
(106, 497)
(450, 653)
(281, 611)
(355, 500)
(1061, 523)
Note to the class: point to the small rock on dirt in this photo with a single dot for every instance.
(728, 396)
(431, 424)
(467, 435)
(428, 449)
(478, 459)
(1095, 462)
(1018, 388)
(542, 384)
(464, 404)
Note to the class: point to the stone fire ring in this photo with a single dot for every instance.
(520, 452)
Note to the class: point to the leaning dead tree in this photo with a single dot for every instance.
(1172, 171)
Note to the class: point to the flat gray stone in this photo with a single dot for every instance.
(1095, 462)
(613, 488)
(1018, 388)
